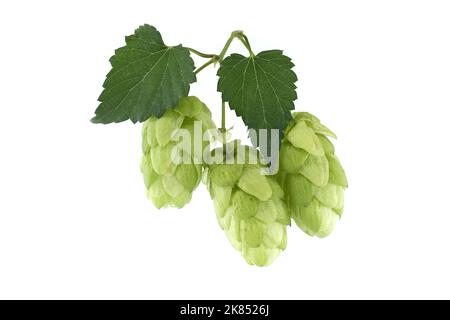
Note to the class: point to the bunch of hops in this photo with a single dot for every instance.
(249, 205)
(311, 175)
(168, 180)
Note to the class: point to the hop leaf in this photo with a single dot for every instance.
(311, 175)
(147, 78)
(249, 207)
(261, 89)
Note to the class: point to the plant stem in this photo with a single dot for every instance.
(201, 54)
(223, 116)
(212, 60)
(219, 58)
(242, 37)
(223, 126)
(246, 43)
(234, 34)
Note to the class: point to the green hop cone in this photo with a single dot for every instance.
(169, 181)
(249, 205)
(311, 175)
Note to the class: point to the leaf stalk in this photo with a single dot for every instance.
(211, 61)
(201, 54)
(214, 58)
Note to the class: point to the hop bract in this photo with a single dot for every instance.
(170, 182)
(249, 205)
(311, 175)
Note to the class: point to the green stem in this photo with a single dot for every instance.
(201, 54)
(219, 58)
(223, 125)
(234, 34)
(211, 61)
(246, 43)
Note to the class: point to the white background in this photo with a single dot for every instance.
(74, 220)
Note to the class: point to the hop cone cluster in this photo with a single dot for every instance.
(249, 205)
(311, 175)
(167, 182)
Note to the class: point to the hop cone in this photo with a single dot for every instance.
(249, 206)
(311, 175)
(167, 182)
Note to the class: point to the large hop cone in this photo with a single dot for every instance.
(249, 205)
(311, 175)
(170, 181)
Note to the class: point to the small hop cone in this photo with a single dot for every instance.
(169, 183)
(249, 207)
(311, 175)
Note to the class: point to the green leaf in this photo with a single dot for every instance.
(146, 79)
(261, 89)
